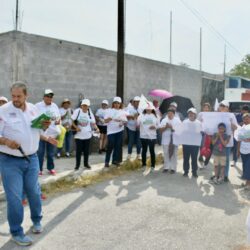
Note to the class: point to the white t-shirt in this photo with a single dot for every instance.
(100, 113)
(145, 121)
(175, 122)
(85, 121)
(244, 146)
(119, 117)
(50, 110)
(66, 121)
(53, 112)
(15, 124)
(132, 123)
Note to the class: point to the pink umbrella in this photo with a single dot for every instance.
(160, 93)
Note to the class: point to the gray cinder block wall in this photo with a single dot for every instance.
(73, 69)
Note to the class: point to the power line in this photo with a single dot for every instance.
(210, 26)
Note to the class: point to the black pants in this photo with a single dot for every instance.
(190, 151)
(145, 144)
(82, 146)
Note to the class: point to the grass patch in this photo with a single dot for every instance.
(69, 183)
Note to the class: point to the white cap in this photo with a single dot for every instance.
(137, 98)
(105, 102)
(48, 92)
(225, 103)
(173, 104)
(117, 99)
(150, 106)
(66, 100)
(85, 102)
(193, 110)
(2, 98)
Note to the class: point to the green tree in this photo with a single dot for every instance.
(242, 69)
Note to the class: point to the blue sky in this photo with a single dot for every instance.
(94, 22)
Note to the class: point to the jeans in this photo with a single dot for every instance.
(82, 146)
(50, 151)
(228, 153)
(134, 138)
(190, 151)
(115, 146)
(245, 166)
(145, 144)
(235, 148)
(67, 142)
(18, 175)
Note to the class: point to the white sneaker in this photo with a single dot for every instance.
(220, 180)
(58, 155)
(67, 154)
(129, 157)
(215, 181)
(138, 157)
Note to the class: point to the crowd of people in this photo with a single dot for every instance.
(23, 146)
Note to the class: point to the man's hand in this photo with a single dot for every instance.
(11, 144)
(52, 141)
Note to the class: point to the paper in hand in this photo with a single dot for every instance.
(38, 122)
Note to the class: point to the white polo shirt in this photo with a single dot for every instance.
(15, 125)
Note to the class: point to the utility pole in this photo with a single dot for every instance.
(170, 54)
(200, 49)
(17, 15)
(120, 49)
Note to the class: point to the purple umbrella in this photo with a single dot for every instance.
(164, 94)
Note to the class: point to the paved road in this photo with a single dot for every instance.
(139, 211)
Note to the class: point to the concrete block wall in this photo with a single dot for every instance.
(6, 65)
(71, 69)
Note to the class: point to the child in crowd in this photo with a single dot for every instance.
(220, 140)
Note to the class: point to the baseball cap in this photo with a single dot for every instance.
(171, 110)
(150, 106)
(173, 104)
(224, 103)
(85, 102)
(66, 100)
(105, 102)
(193, 110)
(137, 98)
(48, 92)
(117, 99)
(246, 115)
(2, 98)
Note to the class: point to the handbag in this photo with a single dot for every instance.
(76, 123)
(205, 149)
